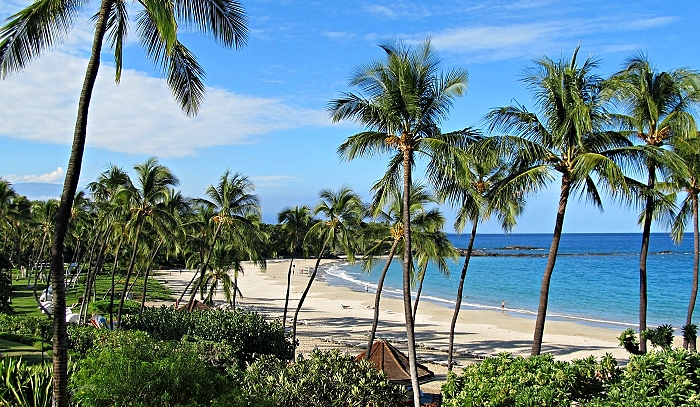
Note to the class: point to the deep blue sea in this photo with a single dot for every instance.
(596, 278)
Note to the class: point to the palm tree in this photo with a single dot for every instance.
(387, 234)
(470, 188)
(568, 138)
(146, 203)
(233, 201)
(656, 107)
(43, 23)
(295, 222)
(343, 212)
(402, 102)
(689, 151)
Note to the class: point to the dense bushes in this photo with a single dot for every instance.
(246, 331)
(26, 325)
(324, 379)
(132, 369)
(667, 378)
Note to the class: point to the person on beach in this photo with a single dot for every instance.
(294, 267)
(503, 305)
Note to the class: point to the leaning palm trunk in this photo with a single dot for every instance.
(421, 279)
(145, 278)
(643, 254)
(306, 291)
(286, 297)
(129, 270)
(111, 294)
(696, 262)
(60, 337)
(407, 310)
(460, 291)
(200, 283)
(377, 296)
(551, 260)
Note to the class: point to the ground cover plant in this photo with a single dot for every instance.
(248, 332)
(324, 379)
(664, 378)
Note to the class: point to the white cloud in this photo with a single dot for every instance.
(273, 180)
(138, 116)
(508, 41)
(50, 178)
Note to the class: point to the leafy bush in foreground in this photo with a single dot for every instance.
(132, 369)
(325, 379)
(248, 332)
(538, 380)
(667, 378)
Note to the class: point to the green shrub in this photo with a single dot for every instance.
(247, 332)
(130, 307)
(661, 336)
(27, 325)
(667, 378)
(132, 369)
(534, 381)
(25, 386)
(325, 379)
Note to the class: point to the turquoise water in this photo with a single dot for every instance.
(596, 278)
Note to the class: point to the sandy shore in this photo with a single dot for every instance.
(339, 317)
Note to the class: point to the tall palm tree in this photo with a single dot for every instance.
(689, 151)
(656, 107)
(295, 222)
(343, 212)
(470, 187)
(567, 139)
(387, 235)
(402, 102)
(146, 203)
(233, 201)
(43, 23)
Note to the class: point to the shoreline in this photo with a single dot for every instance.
(339, 317)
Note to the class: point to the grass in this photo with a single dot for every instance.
(24, 303)
(30, 354)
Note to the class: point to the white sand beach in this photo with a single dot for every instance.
(339, 317)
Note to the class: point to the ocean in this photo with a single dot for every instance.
(595, 280)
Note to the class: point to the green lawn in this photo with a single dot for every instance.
(24, 303)
(31, 354)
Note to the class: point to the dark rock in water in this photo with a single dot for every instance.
(519, 248)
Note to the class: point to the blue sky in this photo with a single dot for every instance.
(265, 113)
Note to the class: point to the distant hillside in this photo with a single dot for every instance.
(38, 191)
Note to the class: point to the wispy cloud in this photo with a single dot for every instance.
(273, 180)
(400, 9)
(51, 177)
(139, 116)
(509, 41)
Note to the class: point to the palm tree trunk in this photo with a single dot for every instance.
(235, 291)
(460, 290)
(194, 277)
(643, 254)
(551, 260)
(60, 338)
(114, 271)
(145, 278)
(407, 309)
(128, 271)
(306, 291)
(421, 279)
(696, 263)
(200, 284)
(377, 296)
(286, 297)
